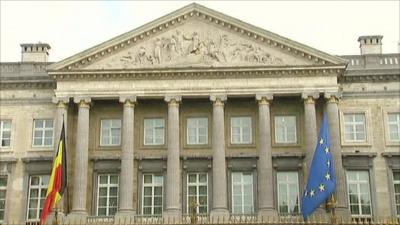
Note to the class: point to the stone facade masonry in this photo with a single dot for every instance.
(304, 83)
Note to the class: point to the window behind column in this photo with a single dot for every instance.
(358, 187)
(355, 127)
(3, 193)
(43, 132)
(394, 127)
(197, 131)
(288, 192)
(107, 194)
(5, 133)
(154, 131)
(197, 192)
(152, 194)
(396, 183)
(285, 130)
(110, 132)
(241, 132)
(242, 193)
(36, 195)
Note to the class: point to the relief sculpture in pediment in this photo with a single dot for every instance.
(190, 49)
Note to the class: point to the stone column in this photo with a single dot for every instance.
(81, 160)
(310, 141)
(333, 121)
(173, 187)
(266, 207)
(126, 210)
(61, 114)
(220, 207)
(310, 130)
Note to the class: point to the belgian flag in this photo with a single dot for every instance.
(58, 179)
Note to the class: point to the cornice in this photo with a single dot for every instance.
(27, 85)
(178, 17)
(369, 78)
(195, 73)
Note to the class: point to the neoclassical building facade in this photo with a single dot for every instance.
(199, 107)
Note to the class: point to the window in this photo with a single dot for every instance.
(152, 196)
(5, 133)
(396, 183)
(359, 193)
(107, 194)
(241, 130)
(197, 131)
(3, 192)
(110, 132)
(43, 132)
(197, 192)
(154, 131)
(242, 193)
(36, 195)
(288, 192)
(354, 127)
(285, 130)
(394, 126)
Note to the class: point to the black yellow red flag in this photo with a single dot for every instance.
(58, 178)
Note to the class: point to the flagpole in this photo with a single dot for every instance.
(332, 205)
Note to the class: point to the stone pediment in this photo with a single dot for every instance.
(195, 36)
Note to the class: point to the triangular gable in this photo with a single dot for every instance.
(196, 36)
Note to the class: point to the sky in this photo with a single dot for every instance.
(73, 26)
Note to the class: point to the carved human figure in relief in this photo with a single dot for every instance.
(157, 51)
(141, 57)
(194, 45)
(178, 42)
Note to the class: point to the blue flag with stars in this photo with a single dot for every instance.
(321, 177)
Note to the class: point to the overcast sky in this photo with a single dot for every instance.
(73, 26)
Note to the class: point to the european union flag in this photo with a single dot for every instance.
(321, 179)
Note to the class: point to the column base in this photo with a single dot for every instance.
(172, 216)
(267, 214)
(77, 217)
(219, 215)
(124, 216)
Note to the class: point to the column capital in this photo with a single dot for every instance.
(128, 100)
(332, 97)
(173, 100)
(309, 98)
(61, 102)
(264, 98)
(83, 101)
(218, 99)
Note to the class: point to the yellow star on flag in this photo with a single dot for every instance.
(321, 187)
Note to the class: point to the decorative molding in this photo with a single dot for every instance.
(23, 85)
(198, 73)
(369, 78)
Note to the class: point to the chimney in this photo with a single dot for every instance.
(370, 44)
(35, 52)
